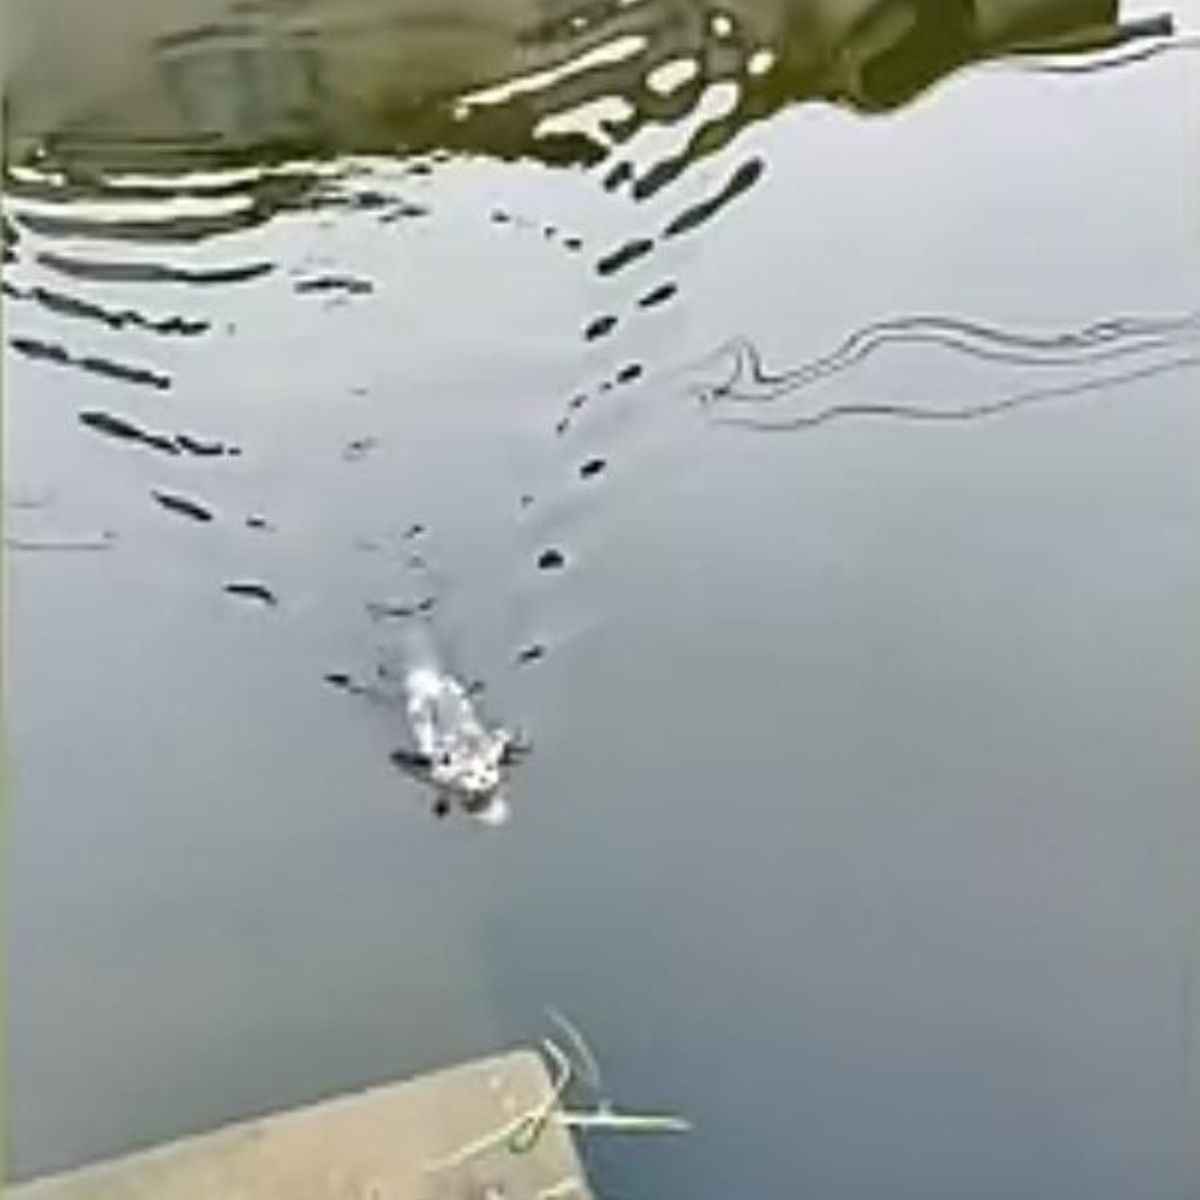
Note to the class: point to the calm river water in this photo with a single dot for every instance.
(860, 826)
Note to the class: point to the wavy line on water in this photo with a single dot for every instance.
(966, 412)
(1113, 338)
(100, 271)
(107, 368)
(64, 305)
(1106, 62)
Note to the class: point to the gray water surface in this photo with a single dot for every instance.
(860, 826)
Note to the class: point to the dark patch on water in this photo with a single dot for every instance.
(658, 295)
(147, 272)
(346, 285)
(532, 653)
(183, 506)
(622, 256)
(359, 448)
(389, 207)
(248, 590)
(123, 372)
(403, 211)
(71, 306)
(599, 327)
(551, 560)
(621, 173)
(53, 352)
(592, 468)
(176, 228)
(629, 372)
(45, 351)
(389, 610)
(120, 428)
(744, 178)
(205, 449)
(8, 240)
(180, 443)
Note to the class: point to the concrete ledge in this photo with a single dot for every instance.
(402, 1141)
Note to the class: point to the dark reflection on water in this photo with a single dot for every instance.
(1109, 62)
(258, 592)
(183, 506)
(53, 352)
(121, 429)
(242, 83)
(150, 272)
(62, 304)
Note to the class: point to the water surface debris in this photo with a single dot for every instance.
(551, 560)
(523, 1132)
(592, 468)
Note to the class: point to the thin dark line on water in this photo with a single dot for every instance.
(65, 305)
(1106, 63)
(915, 412)
(104, 541)
(183, 505)
(1116, 337)
(252, 590)
(52, 352)
(623, 255)
(150, 272)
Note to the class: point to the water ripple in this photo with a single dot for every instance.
(750, 396)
